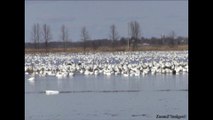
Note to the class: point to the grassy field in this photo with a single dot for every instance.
(109, 49)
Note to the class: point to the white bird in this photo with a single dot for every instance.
(71, 73)
(81, 71)
(31, 79)
(51, 92)
(125, 74)
(87, 72)
(96, 72)
(108, 73)
(59, 75)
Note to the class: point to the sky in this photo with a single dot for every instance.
(155, 17)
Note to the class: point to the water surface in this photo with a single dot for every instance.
(107, 97)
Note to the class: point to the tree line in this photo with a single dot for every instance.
(41, 38)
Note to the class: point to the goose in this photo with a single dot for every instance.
(108, 73)
(143, 73)
(51, 73)
(137, 73)
(59, 75)
(125, 74)
(101, 71)
(117, 72)
(96, 72)
(87, 72)
(71, 73)
(51, 92)
(132, 73)
(32, 78)
(81, 71)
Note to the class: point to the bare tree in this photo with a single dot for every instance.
(33, 35)
(171, 37)
(46, 35)
(64, 36)
(36, 35)
(172, 34)
(95, 44)
(135, 33)
(162, 39)
(113, 35)
(129, 36)
(84, 37)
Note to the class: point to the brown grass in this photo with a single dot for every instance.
(109, 49)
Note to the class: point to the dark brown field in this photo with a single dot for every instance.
(109, 49)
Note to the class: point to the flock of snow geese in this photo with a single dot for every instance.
(67, 65)
(63, 65)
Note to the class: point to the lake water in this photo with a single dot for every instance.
(107, 97)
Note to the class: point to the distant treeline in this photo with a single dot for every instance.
(41, 38)
(117, 43)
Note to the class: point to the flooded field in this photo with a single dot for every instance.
(107, 97)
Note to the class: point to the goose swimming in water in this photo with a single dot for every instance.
(51, 92)
(31, 79)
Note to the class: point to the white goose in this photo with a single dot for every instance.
(51, 92)
(59, 75)
(32, 78)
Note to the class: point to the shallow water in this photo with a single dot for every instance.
(107, 97)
